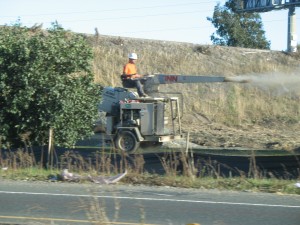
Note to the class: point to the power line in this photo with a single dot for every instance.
(144, 16)
(110, 10)
(131, 17)
(179, 28)
(152, 15)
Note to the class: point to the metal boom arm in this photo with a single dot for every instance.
(170, 78)
(152, 82)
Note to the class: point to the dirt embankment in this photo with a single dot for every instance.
(263, 114)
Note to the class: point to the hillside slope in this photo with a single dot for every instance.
(264, 114)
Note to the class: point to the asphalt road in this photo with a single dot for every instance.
(72, 203)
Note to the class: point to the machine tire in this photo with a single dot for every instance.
(126, 141)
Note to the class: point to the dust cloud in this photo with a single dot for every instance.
(276, 83)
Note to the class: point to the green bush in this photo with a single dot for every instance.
(46, 81)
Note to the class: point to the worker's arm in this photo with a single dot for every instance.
(135, 76)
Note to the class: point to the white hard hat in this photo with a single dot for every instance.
(132, 56)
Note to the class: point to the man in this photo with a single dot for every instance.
(130, 77)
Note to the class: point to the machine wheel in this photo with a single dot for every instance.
(126, 141)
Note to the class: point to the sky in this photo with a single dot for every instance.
(170, 20)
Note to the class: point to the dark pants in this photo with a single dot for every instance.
(134, 84)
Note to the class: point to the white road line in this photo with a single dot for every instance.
(153, 199)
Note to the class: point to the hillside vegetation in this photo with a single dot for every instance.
(263, 114)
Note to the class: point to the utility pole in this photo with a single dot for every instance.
(269, 5)
(292, 32)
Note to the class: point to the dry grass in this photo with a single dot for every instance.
(178, 168)
(229, 104)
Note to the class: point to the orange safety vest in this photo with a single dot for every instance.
(129, 70)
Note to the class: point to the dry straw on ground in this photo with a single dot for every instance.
(214, 105)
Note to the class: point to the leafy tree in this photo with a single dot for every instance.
(237, 29)
(45, 82)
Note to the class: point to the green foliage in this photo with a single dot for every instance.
(45, 82)
(238, 30)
